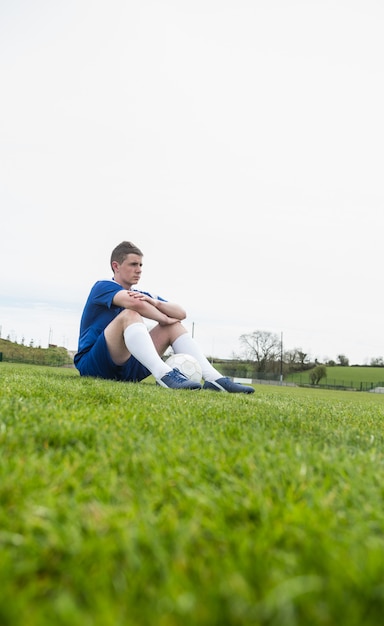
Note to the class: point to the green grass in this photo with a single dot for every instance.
(124, 504)
(353, 377)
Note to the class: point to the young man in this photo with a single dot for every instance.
(114, 342)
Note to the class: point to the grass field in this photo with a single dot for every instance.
(353, 377)
(125, 504)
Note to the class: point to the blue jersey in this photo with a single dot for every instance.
(98, 312)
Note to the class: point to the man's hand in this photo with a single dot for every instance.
(161, 316)
(170, 309)
(136, 295)
(168, 321)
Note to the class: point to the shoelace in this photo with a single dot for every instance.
(177, 375)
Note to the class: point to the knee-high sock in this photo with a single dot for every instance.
(186, 344)
(140, 345)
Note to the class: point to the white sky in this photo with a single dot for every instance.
(238, 143)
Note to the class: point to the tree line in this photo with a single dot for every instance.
(262, 356)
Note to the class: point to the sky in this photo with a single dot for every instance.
(238, 143)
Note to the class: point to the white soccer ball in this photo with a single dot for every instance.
(187, 365)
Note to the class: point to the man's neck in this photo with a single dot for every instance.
(128, 286)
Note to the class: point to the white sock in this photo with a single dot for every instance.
(187, 345)
(140, 345)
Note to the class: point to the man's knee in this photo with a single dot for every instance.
(128, 317)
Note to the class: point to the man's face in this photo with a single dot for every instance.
(129, 271)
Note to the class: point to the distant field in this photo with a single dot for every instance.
(345, 376)
(134, 505)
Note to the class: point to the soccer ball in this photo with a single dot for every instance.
(187, 365)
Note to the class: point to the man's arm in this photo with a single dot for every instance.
(151, 308)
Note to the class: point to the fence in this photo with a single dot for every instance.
(346, 385)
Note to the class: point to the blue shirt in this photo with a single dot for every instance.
(98, 312)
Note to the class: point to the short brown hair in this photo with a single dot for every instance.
(122, 250)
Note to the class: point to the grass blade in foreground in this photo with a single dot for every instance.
(130, 504)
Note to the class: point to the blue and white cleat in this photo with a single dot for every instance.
(176, 380)
(226, 384)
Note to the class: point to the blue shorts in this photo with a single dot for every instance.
(97, 362)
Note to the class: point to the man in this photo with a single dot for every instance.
(115, 343)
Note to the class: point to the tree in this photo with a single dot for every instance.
(303, 357)
(297, 360)
(377, 362)
(290, 357)
(343, 360)
(318, 372)
(261, 346)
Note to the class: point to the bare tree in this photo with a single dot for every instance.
(296, 356)
(291, 357)
(261, 346)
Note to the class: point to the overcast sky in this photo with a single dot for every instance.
(238, 143)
